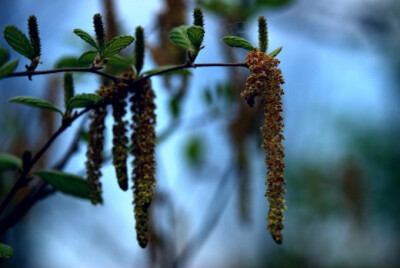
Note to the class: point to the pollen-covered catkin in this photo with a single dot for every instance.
(93, 154)
(143, 151)
(120, 139)
(265, 81)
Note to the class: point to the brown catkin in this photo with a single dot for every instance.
(143, 151)
(93, 154)
(120, 139)
(265, 81)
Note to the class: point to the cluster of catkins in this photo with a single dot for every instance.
(265, 81)
(143, 147)
(143, 139)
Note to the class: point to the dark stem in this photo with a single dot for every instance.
(21, 181)
(94, 70)
(40, 191)
(191, 65)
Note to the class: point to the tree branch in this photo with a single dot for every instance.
(94, 70)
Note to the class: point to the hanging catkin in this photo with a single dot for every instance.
(265, 81)
(93, 154)
(143, 151)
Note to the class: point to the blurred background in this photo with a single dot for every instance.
(341, 63)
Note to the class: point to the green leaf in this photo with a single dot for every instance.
(87, 57)
(8, 68)
(6, 251)
(83, 100)
(235, 41)
(4, 56)
(119, 61)
(66, 62)
(196, 36)
(35, 102)
(175, 106)
(86, 37)
(179, 37)
(194, 151)
(275, 52)
(116, 45)
(9, 162)
(165, 67)
(65, 182)
(19, 42)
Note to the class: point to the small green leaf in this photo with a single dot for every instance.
(4, 56)
(9, 162)
(65, 182)
(6, 251)
(119, 61)
(35, 102)
(19, 42)
(165, 67)
(179, 37)
(83, 100)
(208, 97)
(196, 36)
(235, 41)
(66, 62)
(8, 68)
(175, 106)
(194, 151)
(116, 45)
(87, 57)
(86, 37)
(275, 52)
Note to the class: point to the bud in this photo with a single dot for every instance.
(139, 49)
(99, 30)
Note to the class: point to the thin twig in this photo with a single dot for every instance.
(38, 192)
(21, 181)
(190, 65)
(94, 70)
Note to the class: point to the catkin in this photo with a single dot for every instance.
(120, 139)
(265, 81)
(143, 151)
(93, 154)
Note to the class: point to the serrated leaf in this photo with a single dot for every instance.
(4, 56)
(116, 45)
(179, 37)
(86, 37)
(6, 251)
(35, 102)
(119, 61)
(87, 57)
(66, 183)
(236, 41)
(83, 100)
(8, 68)
(165, 67)
(9, 162)
(275, 52)
(196, 36)
(19, 42)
